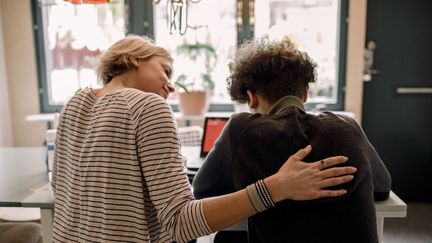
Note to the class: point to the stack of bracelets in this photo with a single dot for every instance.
(259, 196)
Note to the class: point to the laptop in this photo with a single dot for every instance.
(213, 127)
(195, 156)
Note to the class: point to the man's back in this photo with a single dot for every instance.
(257, 144)
(265, 140)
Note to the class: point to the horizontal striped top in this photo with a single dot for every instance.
(118, 174)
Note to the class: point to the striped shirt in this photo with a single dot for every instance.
(118, 174)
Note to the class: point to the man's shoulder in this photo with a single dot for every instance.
(337, 127)
(242, 116)
(332, 118)
(326, 120)
(239, 120)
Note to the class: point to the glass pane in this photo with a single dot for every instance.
(314, 26)
(211, 26)
(74, 37)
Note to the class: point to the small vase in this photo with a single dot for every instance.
(194, 103)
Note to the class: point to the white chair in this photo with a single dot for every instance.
(15, 214)
(190, 136)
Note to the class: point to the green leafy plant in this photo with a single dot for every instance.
(198, 77)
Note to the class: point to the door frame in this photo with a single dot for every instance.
(356, 39)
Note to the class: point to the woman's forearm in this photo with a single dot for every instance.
(223, 211)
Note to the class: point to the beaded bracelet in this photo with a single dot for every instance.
(259, 196)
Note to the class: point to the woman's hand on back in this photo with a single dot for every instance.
(298, 180)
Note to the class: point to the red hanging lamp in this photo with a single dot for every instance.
(87, 1)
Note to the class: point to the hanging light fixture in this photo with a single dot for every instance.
(177, 12)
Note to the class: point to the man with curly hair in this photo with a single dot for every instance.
(273, 78)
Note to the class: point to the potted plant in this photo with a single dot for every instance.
(196, 84)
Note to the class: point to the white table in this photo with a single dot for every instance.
(393, 207)
(24, 183)
(43, 198)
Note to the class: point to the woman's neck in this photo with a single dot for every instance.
(118, 82)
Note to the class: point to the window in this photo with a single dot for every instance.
(74, 35)
(316, 27)
(69, 38)
(210, 23)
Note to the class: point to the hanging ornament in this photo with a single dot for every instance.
(177, 12)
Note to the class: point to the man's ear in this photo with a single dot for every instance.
(253, 100)
(305, 94)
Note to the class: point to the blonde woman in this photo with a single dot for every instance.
(118, 173)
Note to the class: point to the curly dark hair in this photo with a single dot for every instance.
(272, 69)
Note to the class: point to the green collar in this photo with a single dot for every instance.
(286, 102)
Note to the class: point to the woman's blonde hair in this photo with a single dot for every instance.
(119, 57)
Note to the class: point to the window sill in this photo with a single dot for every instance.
(49, 117)
(180, 117)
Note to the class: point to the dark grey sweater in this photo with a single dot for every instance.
(254, 146)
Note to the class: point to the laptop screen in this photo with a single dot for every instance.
(213, 127)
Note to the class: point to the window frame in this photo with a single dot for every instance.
(342, 54)
(140, 22)
(38, 32)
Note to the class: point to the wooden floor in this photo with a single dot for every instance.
(415, 228)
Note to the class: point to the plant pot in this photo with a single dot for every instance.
(193, 103)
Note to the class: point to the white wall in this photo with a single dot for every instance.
(5, 115)
(21, 72)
